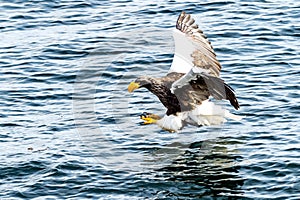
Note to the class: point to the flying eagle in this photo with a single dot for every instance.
(192, 79)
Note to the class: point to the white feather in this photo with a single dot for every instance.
(233, 117)
(206, 114)
(171, 122)
(208, 108)
(190, 75)
(182, 61)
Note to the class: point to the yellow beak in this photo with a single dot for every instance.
(132, 86)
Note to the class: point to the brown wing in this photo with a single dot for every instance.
(193, 48)
(193, 88)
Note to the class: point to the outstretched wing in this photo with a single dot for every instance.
(196, 60)
(192, 49)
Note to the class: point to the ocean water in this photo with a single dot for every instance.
(70, 130)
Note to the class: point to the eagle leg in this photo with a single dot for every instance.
(149, 118)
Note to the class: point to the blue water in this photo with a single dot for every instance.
(70, 130)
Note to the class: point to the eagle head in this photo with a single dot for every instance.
(142, 81)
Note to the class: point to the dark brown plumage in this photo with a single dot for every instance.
(190, 95)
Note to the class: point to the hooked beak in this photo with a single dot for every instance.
(132, 86)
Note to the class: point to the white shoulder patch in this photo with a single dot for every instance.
(190, 75)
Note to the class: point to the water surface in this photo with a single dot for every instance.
(69, 129)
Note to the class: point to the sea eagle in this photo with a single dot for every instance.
(192, 79)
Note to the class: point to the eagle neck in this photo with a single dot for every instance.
(164, 94)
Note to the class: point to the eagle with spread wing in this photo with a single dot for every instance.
(192, 79)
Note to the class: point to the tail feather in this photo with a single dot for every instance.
(209, 113)
(233, 116)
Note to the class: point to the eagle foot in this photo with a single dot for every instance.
(149, 118)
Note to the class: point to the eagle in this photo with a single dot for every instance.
(191, 87)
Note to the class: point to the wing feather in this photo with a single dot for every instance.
(194, 87)
(192, 48)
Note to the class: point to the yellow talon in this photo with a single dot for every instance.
(148, 120)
